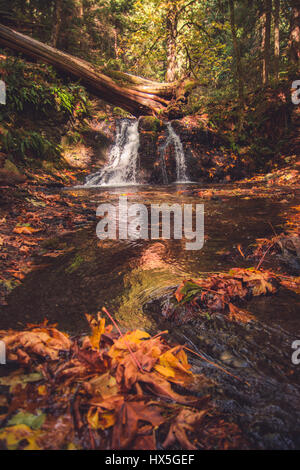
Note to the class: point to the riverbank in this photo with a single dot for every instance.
(31, 213)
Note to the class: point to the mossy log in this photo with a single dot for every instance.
(136, 95)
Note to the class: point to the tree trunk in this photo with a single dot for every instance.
(276, 38)
(238, 64)
(294, 44)
(137, 95)
(116, 44)
(57, 23)
(171, 26)
(266, 40)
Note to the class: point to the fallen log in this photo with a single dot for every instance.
(136, 95)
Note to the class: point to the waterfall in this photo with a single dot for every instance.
(123, 162)
(122, 165)
(181, 170)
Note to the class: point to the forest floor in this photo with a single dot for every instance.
(32, 212)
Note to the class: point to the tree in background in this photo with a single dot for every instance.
(239, 72)
(229, 47)
(295, 33)
(276, 38)
(266, 40)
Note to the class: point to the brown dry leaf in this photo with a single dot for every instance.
(145, 442)
(260, 282)
(238, 314)
(186, 421)
(43, 342)
(292, 283)
(144, 353)
(120, 346)
(162, 388)
(129, 423)
(56, 433)
(104, 385)
(112, 403)
(97, 361)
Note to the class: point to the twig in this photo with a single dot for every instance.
(271, 225)
(125, 341)
(216, 365)
(160, 334)
(263, 256)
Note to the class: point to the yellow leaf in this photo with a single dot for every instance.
(13, 435)
(121, 345)
(93, 418)
(72, 446)
(26, 230)
(98, 327)
(174, 366)
(106, 420)
(42, 389)
(165, 371)
(98, 420)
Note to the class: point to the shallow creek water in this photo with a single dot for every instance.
(132, 279)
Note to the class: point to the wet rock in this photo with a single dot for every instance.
(150, 123)
(10, 174)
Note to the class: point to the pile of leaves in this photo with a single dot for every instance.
(104, 391)
(220, 293)
(286, 245)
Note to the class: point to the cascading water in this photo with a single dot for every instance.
(123, 162)
(122, 166)
(181, 170)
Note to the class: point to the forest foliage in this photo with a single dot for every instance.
(235, 50)
(167, 39)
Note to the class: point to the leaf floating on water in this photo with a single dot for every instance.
(217, 293)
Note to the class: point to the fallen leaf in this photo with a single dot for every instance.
(186, 421)
(25, 230)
